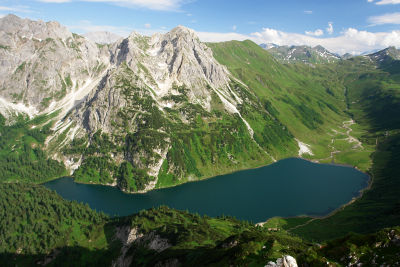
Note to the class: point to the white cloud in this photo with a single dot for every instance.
(85, 26)
(308, 12)
(385, 2)
(18, 9)
(317, 32)
(222, 37)
(150, 32)
(349, 41)
(167, 5)
(330, 28)
(390, 18)
(234, 27)
(147, 25)
(55, 1)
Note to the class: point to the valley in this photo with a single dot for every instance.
(149, 115)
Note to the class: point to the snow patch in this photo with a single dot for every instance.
(72, 165)
(304, 148)
(153, 52)
(7, 107)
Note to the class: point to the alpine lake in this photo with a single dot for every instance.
(289, 187)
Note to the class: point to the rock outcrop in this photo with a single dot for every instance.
(43, 64)
(133, 237)
(285, 261)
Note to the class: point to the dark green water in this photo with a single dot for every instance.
(289, 187)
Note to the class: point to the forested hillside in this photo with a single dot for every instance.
(40, 228)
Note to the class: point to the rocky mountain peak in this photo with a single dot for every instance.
(177, 57)
(303, 53)
(28, 29)
(183, 32)
(386, 55)
(392, 52)
(43, 63)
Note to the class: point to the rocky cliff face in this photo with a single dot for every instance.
(158, 66)
(386, 56)
(42, 63)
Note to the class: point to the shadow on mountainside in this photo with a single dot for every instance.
(69, 255)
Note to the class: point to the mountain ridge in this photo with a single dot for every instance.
(302, 53)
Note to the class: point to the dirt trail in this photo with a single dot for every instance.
(351, 139)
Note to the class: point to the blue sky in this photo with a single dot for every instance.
(342, 26)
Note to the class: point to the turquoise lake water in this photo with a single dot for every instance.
(289, 187)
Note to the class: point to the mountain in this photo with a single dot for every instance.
(305, 54)
(369, 52)
(268, 45)
(157, 109)
(150, 112)
(170, 84)
(347, 56)
(43, 63)
(102, 37)
(385, 56)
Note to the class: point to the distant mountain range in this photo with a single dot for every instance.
(385, 56)
(268, 45)
(319, 54)
(304, 54)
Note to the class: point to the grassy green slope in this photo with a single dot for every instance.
(308, 100)
(374, 101)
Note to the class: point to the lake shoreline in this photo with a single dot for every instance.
(214, 176)
(256, 186)
(333, 212)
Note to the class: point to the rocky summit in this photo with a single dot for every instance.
(43, 65)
